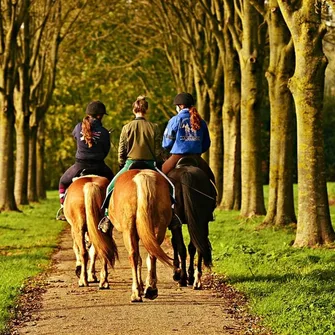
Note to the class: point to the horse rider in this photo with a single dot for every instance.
(186, 134)
(93, 145)
(140, 140)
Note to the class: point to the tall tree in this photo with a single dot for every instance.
(11, 19)
(231, 196)
(249, 43)
(281, 67)
(303, 18)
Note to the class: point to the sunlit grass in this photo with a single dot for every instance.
(292, 289)
(27, 240)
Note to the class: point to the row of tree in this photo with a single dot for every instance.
(238, 58)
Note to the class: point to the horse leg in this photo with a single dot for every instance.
(191, 251)
(179, 250)
(139, 274)
(151, 291)
(197, 285)
(104, 285)
(79, 235)
(91, 276)
(132, 245)
(76, 252)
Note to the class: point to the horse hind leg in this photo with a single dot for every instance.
(91, 273)
(103, 284)
(191, 251)
(197, 285)
(81, 255)
(151, 291)
(179, 251)
(132, 245)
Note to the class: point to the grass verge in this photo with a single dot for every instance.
(27, 241)
(291, 289)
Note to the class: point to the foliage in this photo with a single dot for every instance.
(27, 240)
(110, 56)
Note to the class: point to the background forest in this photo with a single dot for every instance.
(257, 68)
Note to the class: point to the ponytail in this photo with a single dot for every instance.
(86, 130)
(195, 118)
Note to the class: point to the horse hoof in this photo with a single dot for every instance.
(190, 281)
(93, 280)
(197, 287)
(182, 283)
(78, 271)
(151, 293)
(176, 275)
(104, 286)
(136, 299)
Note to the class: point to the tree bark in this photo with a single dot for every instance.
(281, 202)
(307, 86)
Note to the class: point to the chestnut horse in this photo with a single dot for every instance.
(195, 203)
(140, 208)
(82, 211)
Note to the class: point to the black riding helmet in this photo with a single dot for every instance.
(184, 99)
(96, 108)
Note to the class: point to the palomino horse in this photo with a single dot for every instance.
(82, 211)
(195, 202)
(140, 208)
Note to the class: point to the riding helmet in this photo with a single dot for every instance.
(184, 99)
(95, 108)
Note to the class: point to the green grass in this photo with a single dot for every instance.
(291, 289)
(27, 241)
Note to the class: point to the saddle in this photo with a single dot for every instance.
(187, 161)
(141, 165)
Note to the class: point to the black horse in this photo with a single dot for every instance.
(195, 203)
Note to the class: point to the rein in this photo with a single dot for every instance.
(196, 190)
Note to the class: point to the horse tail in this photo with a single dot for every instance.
(197, 219)
(104, 244)
(146, 209)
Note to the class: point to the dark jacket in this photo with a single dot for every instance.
(100, 147)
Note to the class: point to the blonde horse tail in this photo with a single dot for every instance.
(104, 244)
(146, 198)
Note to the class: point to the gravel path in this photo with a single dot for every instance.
(55, 305)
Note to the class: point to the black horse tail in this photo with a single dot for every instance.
(197, 217)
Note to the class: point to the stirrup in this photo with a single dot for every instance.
(104, 224)
(60, 215)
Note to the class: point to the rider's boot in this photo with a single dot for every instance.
(105, 223)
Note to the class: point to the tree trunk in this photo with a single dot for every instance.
(32, 167)
(216, 133)
(307, 85)
(7, 201)
(21, 167)
(40, 178)
(251, 62)
(281, 202)
(231, 198)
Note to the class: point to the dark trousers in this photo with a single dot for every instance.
(100, 169)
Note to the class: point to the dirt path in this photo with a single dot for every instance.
(56, 305)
